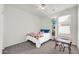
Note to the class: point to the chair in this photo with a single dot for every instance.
(63, 43)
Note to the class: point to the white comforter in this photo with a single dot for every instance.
(39, 41)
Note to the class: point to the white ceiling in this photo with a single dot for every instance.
(51, 9)
(48, 11)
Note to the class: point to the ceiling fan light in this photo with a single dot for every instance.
(43, 5)
(42, 8)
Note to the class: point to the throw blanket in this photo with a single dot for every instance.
(35, 35)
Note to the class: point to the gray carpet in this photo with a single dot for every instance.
(29, 48)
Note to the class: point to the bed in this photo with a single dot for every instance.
(38, 39)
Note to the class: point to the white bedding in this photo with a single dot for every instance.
(38, 42)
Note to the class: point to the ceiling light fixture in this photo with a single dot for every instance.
(42, 6)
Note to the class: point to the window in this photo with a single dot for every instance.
(64, 24)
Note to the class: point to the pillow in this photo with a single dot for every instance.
(45, 30)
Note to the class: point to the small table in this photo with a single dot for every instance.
(63, 43)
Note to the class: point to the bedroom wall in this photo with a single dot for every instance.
(46, 23)
(1, 27)
(17, 23)
(78, 27)
(73, 13)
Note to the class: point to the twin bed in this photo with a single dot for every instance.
(38, 38)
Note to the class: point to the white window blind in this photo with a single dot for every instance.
(64, 24)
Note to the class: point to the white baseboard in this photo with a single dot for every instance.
(12, 44)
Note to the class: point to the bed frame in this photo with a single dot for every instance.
(40, 40)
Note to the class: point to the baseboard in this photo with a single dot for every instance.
(12, 45)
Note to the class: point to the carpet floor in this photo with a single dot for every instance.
(29, 48)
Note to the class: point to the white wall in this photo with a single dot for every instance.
(17, 23)
(78, 28)
(1, 27)
(73, 13)
(46, 23)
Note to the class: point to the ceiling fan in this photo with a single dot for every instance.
(42, 6)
